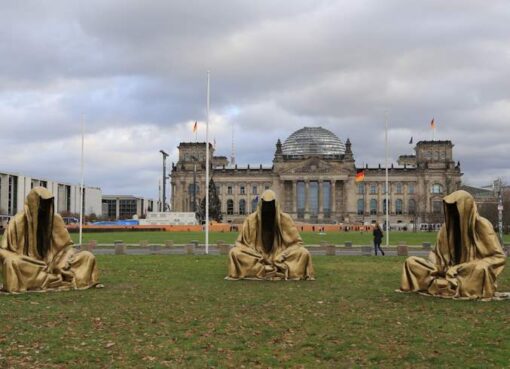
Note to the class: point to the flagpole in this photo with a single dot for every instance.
(81, 173)
(207, 169)
(386, 180)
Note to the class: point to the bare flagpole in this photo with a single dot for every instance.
(386, 180)
(81, 173)
(207, 169)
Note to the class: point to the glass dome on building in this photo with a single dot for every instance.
(311, 141)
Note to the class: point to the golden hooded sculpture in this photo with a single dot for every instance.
(467, 259)
(269, 246)
(36, 252)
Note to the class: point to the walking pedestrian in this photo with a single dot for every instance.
(378, 236)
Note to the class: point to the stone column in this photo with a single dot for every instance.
(117, 208)
(294, 197)
(307, 197)
(333, 197)
(405, 207)
(367, 199)
(319, 184)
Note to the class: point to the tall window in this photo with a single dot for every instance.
(437, 206)
(361, 207)
(373, 207)
(361, 188)
(313, 191)
(230, 206)
(410, 188)
(127, 208)
(266, 187)
(83, 199)
(242, 207)
(398, 206)
(254, 190)
(412, 207)
(384, 206)
(398, 188)
(229, 190)
(193, 197)
(190, 189)
(384, 188)
(111, 208)
(326, 196)
(242, 191)
(373, 188)
(12, 204)
(437, 188)
(300, 189)
(68, 198)
(254, 205)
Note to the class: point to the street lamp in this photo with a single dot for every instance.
(500, 209)
(165, 155)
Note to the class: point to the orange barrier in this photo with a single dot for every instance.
(333, 227)
(220, 227)
(214, 227)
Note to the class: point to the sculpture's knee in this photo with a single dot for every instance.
(411, 260)
(86, 255)
(303, 252)
(8, 259)
(234, 252)
(480, 268)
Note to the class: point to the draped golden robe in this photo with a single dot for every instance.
(286, 259)
(466, 260)
(36, 252)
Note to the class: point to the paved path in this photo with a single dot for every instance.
(213, 250)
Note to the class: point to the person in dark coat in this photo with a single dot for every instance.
(378, 236)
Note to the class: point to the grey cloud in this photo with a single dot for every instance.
(137, 71)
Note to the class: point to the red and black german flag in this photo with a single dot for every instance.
(360, 175)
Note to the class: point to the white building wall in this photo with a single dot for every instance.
(23, 190)
(53, 188)
(93, 201)
(93, 195)
(75, 198)
(4, 193)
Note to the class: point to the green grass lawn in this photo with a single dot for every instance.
(178, 312)
(310, 238)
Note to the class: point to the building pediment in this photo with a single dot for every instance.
(312, 165)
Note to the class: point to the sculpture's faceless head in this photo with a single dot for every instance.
(452, 220)
(44, 225)
(268, 210)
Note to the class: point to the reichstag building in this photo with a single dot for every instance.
(314, 176)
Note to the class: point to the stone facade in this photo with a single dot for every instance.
(313, 175)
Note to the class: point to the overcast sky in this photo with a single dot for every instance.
(136, 71)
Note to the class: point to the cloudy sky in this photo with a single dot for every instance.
(135, 71)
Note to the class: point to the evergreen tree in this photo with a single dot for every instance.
(214, 204)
